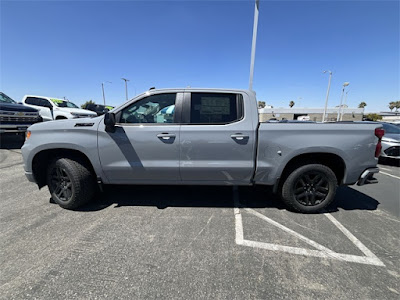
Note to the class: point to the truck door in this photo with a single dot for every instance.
(145, 145)
(217, 139)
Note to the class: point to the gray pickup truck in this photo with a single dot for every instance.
(200, 137)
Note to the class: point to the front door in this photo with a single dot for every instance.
(145, 145)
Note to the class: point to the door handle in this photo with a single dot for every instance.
(239, 136)
(166, 136)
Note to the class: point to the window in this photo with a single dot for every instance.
(208, 108)
(63, 103)
(153, 109)
(33, 101)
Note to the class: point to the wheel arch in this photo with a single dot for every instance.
(331, 160)
(42, 159)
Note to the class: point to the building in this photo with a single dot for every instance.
(313, 114)
(391, 117)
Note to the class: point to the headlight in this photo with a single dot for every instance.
(75, 115)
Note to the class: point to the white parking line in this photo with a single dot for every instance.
(387, 174)
(369, 259)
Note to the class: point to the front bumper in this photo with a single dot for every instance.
(30, 176)
(367, 176)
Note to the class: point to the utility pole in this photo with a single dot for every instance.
(253, 46)
(344, 103)
(126, 87)
(104, 96)
(327, 95)
(341, 98)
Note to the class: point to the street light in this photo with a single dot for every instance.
(253, 45)
(102, 88)
(126, 87)
(327, 95)
(341, 99)
(344, 104)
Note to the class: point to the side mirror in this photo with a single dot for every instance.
(109, 121)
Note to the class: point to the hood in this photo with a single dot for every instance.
(67, 124)
(77, 111)
(16, 107)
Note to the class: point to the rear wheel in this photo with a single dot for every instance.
(309, 188)
(70, 182)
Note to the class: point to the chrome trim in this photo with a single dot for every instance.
(366, 176)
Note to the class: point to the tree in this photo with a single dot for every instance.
(86, 103)
(291, 104)
(397, 105)
(373, 117)
(261, 104)
(362, 105)
(392, 105)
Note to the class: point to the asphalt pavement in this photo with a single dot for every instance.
(189, 242)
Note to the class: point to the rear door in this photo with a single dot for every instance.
(217, 139)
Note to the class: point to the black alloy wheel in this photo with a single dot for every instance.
(61, 184)
(311, 188)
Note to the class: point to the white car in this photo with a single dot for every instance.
(56, 109)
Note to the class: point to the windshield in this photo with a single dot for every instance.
(63, 103)
(5, 99)
(389, 128)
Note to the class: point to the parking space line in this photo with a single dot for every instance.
(387, 174)
(284, 228)
(323, 252)
(350, 236)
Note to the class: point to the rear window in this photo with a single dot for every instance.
(215, 108)
(34, 101)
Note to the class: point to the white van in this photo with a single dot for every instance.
(56, 109)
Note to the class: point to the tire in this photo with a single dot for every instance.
(70, 182)
(309, 188)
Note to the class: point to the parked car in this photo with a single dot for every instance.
(200, 137)
(14, 117)
(391, 141)
(56, 109)
(98, 108)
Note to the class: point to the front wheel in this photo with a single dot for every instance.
(70, 182)
(309, 188)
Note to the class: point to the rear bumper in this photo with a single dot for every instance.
(367, 176)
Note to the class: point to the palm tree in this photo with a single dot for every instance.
(397, 105)
(392, 105)
(362, 105)
(291, 104)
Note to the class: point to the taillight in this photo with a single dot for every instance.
(379, 133)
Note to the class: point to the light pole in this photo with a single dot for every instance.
(327, 95)
(102, 88)
(344, 103)
(341, 99)
(253, 46)
(126, 87)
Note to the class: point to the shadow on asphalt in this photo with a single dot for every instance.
(11, 141)
(214, 196)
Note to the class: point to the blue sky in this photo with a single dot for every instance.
(67, 48)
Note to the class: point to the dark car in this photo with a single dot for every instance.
(98, 108)
(14, 117)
